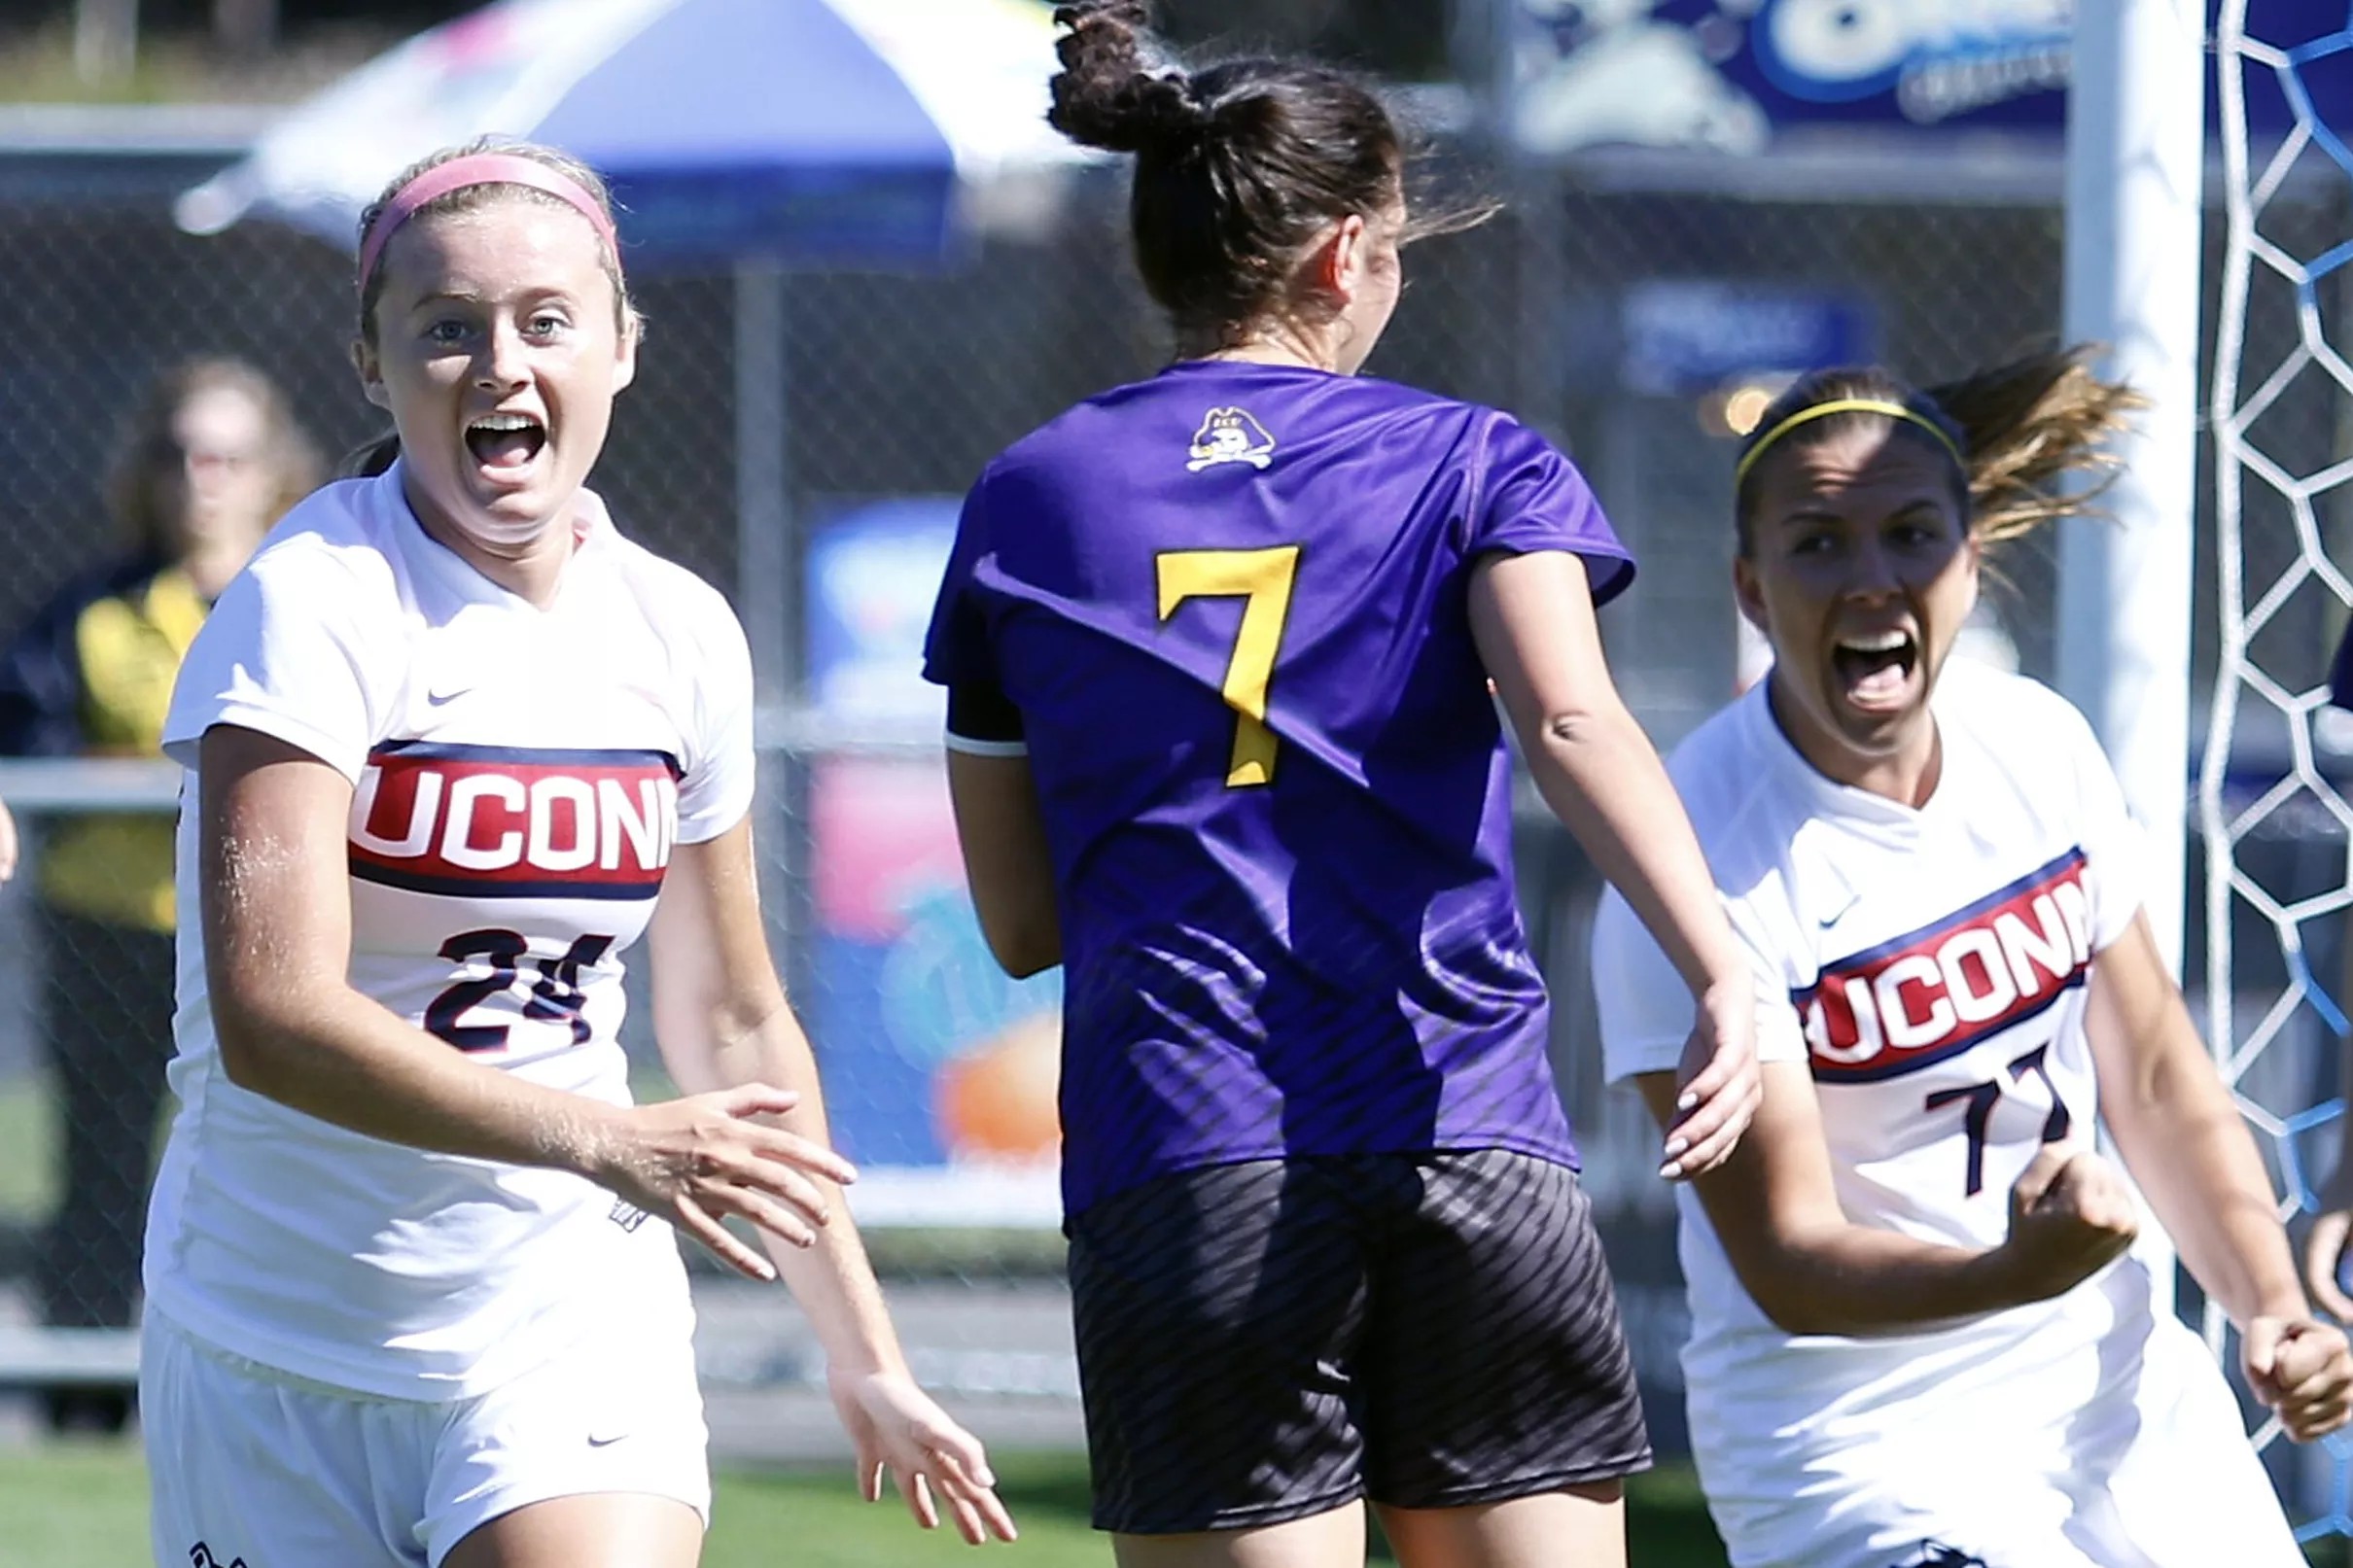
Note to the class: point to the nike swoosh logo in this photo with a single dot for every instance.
(438, 698)
(1844, 909)
(605, 1439)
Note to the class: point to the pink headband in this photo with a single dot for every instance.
(478, 168)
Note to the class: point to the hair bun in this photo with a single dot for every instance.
(1112, 91)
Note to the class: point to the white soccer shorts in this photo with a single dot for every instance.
(2162, 1478)
(247, 1464)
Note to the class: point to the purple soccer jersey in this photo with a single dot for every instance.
(1230, 606)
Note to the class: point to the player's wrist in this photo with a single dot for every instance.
(589, 1139)
(2281, 1306)
(2016, 1274)
(1995, 1279)
(856, 1363)
(1723, 981)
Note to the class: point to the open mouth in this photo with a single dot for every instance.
(506, 440)
(1875, 668)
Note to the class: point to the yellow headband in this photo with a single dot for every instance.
(1843, 405)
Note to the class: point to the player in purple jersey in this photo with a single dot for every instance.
(453, 746)
(1218, 648)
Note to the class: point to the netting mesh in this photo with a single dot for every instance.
(884, 395)
(2272, 796)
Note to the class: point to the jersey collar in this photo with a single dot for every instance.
(592, 535)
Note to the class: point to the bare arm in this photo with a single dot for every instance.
(2325, 1245)
(722, 1019)
(2180, 1136)
(1002, 835)
(1774, 1208)
(276, 906)
(2185, 1143)
(1532, 616)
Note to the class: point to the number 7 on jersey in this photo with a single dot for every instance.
(1264, 579)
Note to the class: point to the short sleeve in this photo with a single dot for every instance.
(1531, 498)
(956, 647)
(722, 768)
(282, 653)
(2114, 852)
(1646, 1012)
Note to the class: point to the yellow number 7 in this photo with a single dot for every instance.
(1264, 579)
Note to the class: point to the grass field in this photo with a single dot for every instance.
(84, 1506)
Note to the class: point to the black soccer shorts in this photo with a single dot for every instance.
(1263, 1342)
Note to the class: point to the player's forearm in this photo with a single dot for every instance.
(1774, 1207)
(1851, 1279)
(331, 1052)
(759, 1040)
(1602, 778)
(2186, 1144)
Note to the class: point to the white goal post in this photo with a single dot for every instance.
(2136, 167)
(2135, 164)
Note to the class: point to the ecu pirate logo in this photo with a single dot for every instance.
(1230, 435)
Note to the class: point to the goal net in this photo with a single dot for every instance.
(2274, 817)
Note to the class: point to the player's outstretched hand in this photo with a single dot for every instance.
(899, 1428)
(696, 1160)
(7, 843)
(2070, 1216)
(2302, 1370)
(2325, 1246)
(1717, 1084)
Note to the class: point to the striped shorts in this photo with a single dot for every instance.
(1266, 1341)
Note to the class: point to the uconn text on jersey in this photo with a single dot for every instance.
(1917, 999)
(505, 822)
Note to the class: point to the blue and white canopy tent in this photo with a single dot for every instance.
(801, 132)
(757, 135)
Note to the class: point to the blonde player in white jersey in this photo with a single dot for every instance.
(448, 737)
(1917, 1336)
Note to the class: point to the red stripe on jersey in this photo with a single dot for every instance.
(501, 823)
(1906, 1003)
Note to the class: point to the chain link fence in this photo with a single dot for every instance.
(1621, 302)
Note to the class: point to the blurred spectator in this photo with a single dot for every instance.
(209, 462)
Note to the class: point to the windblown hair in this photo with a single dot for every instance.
(147, 440)
(377, 455)
(2019, 428)
(1240, 166)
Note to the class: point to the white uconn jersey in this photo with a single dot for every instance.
(553, 855)
(1947, 1053)
(520, 778)
(1932, 965)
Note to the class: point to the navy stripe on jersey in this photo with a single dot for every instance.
(1911, 1001)
(459, 886)
(573, 756)
(478, 821)
(2041, 875)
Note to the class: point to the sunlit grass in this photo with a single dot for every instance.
(83, 1505)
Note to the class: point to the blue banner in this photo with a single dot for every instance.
(1731, 74)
